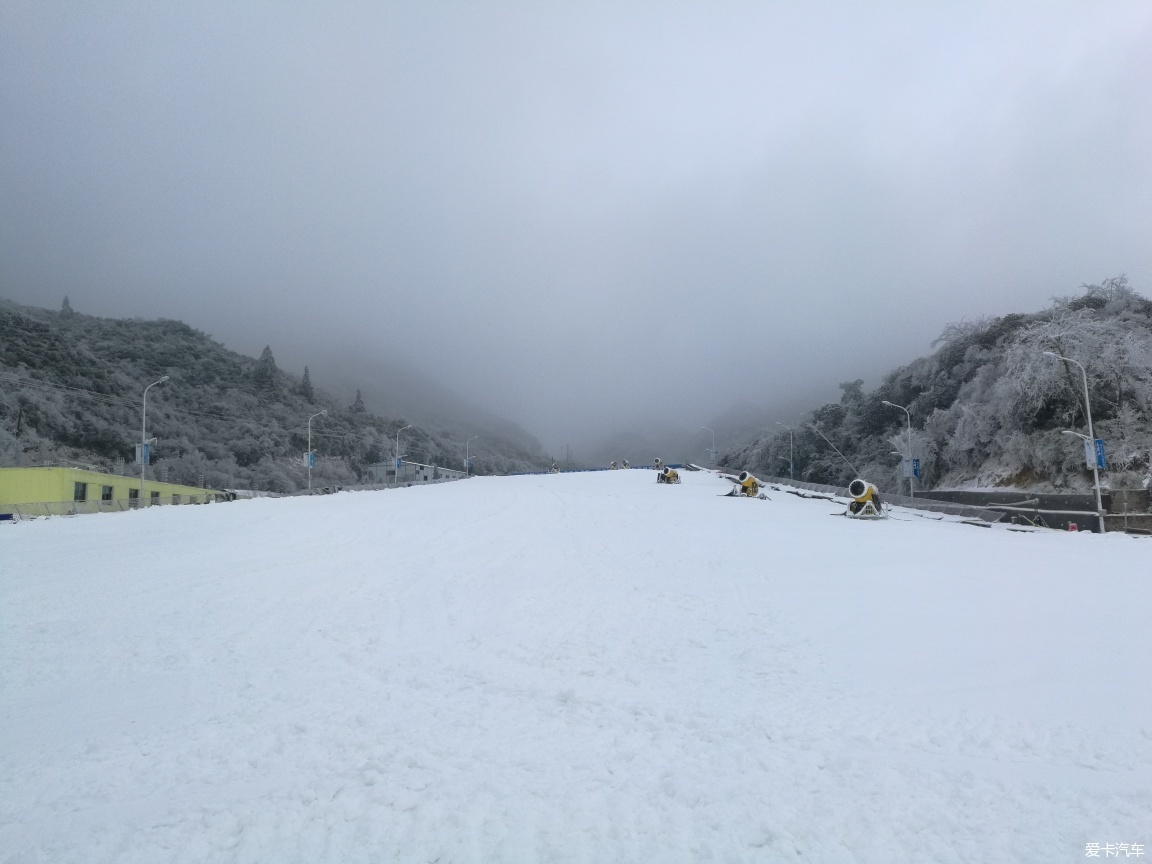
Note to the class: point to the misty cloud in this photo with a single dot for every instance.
(588, 218)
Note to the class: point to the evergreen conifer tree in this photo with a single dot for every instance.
(66, 308)
(358, 405)
(306, 387)
(266, 372)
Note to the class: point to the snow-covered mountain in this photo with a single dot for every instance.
(393, 388)
(71, 388)
(991, 406)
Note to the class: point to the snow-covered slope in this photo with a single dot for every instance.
(586, 667)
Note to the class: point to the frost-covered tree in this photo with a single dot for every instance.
(306, 387)
(1116, 356)
(853, 391)
(266, 374)
(357, 406)
(66, 308)
(215, 416)
(961, 330)
(988, 407)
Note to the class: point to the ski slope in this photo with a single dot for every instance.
(580, 667)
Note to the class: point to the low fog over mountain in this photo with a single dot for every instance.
(595, 221)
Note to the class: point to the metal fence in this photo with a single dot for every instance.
(984, 514)
(333, 488)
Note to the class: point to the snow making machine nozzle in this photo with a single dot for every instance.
(746, 486)
(865, 503)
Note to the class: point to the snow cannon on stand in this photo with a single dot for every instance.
(667, 475)
(865, 503)
(746, 486)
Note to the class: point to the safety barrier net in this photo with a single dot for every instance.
(982, 513)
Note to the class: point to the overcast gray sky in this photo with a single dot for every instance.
(581, 215)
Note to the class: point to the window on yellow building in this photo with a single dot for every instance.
(105, 493)
(79, 491)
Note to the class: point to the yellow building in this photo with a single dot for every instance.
(59, 490)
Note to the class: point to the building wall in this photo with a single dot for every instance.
(412, 472)
(57, 484)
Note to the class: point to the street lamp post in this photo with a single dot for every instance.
(398, 431)
(467, 454)
(323, 413)
(713, 450)
(911, 478)
(1091, 433)
(791, 463)
(144, 434)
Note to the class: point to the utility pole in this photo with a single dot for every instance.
(1091, 434)
(911, 473)
(791, 463)
(144, 435)
(468, 455)
(713, 450)
(311, 457)
(398, 431)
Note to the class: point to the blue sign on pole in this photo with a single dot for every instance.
(312, 459)
(915, 467)
(1100, 462)
(399, 464)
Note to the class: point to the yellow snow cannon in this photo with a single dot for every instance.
(612, 467)
(865, 503)
(746, 485)
(667, 475)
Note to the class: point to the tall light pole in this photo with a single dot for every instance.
(1091, 433)
(398, 431)
(713, 450)
(911, 479)
(144, 434)
(791, 464)
(467, 456)
(323, 413)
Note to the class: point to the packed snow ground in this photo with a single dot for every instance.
(583, 667)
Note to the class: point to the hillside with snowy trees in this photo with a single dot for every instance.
(71, 388)
(989, 407)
